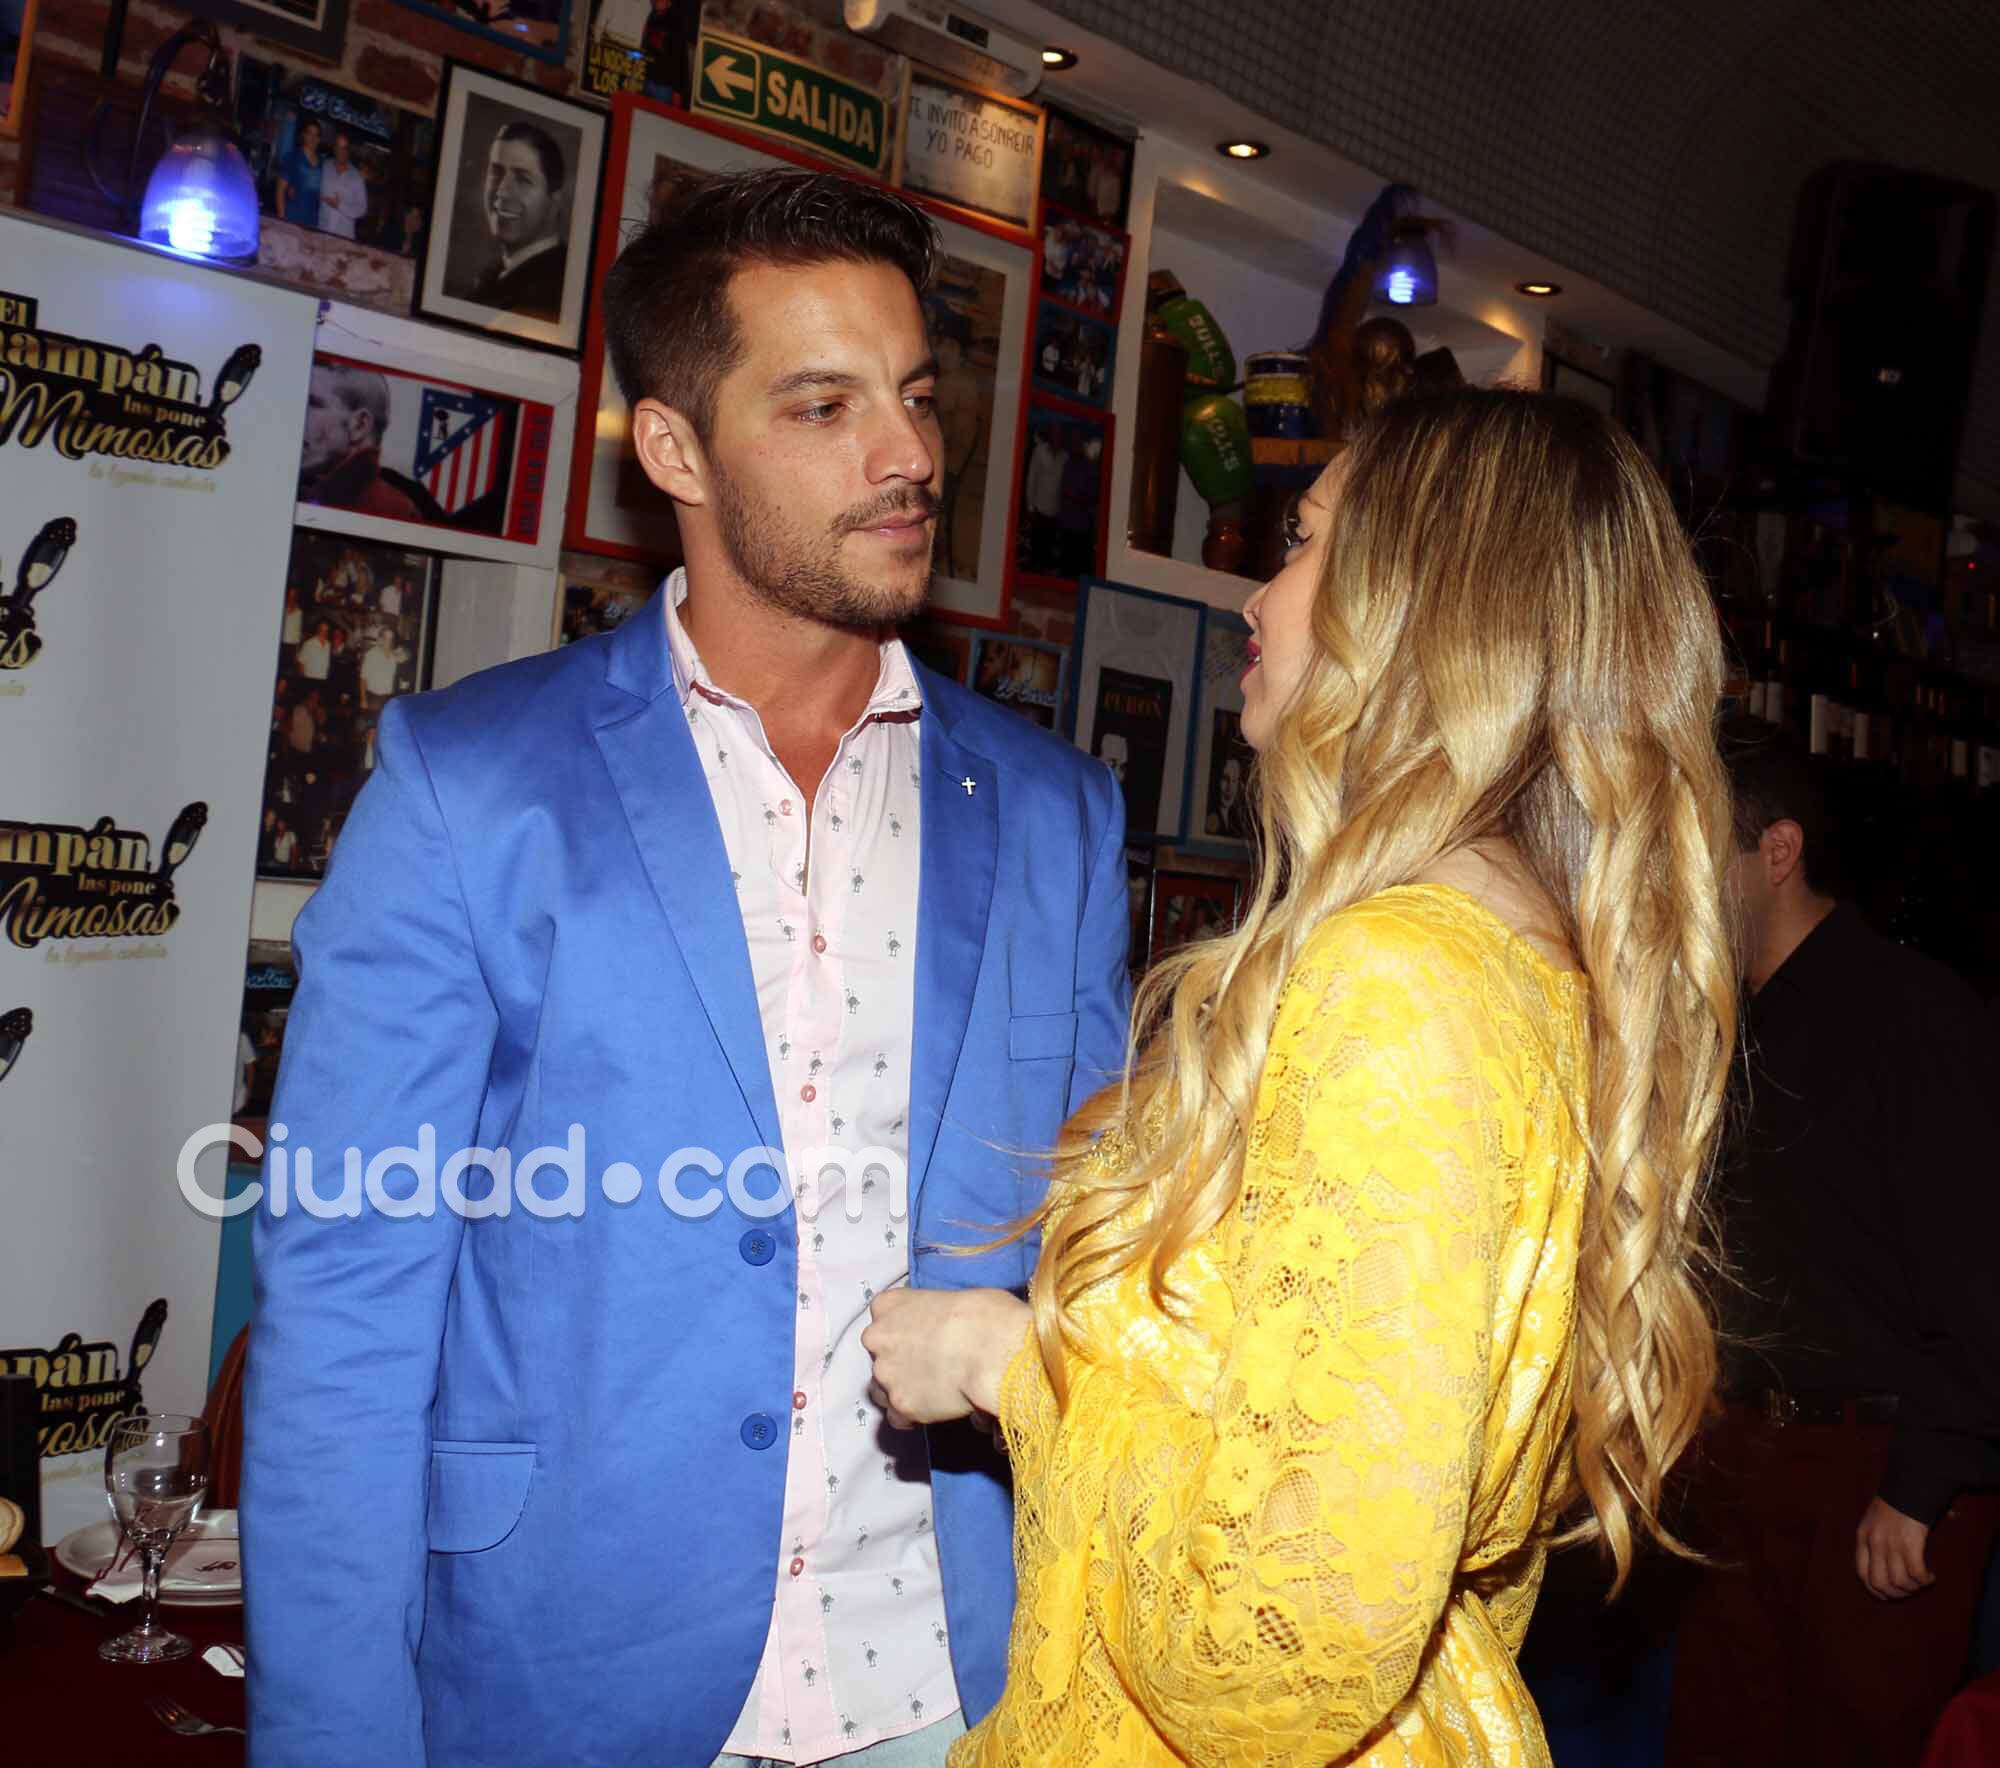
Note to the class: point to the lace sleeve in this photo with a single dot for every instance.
(1271, 1572)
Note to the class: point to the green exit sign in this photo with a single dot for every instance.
(778, 94)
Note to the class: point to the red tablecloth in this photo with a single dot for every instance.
(1968, 1736)
(61, 1703)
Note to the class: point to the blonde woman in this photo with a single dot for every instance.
(1384, 1249)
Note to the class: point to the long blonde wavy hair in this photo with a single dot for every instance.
(1510, 638)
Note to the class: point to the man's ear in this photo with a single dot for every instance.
(670, 453)
(1782, 848)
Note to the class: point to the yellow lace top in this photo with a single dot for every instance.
(1303, 1523)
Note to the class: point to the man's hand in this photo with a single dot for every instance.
(940, 1353)
(1889, 1552)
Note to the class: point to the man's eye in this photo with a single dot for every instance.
(923, 404)
(820, 414)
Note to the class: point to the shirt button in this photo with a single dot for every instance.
(785, 806)
(757, 1247)
(760, 1430)
(798, 1399)
(798, 1565)
(809, 1092)
(819, 942)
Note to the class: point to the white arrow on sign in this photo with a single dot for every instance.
(727, 79)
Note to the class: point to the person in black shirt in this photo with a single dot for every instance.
(1861, 1323)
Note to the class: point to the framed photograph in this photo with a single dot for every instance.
(978, 308)
(939, 645)
(17, 39)
(1191, 905)
(413, 436)
(973, 149)
(642, 46)
(1219, 814)
(1074, 355)
(270, 979)
(336, 160)
(1023, 674)
(516, 197)
(596, 595)
(1066, 471)
(1572, 382)
(358, 625)
(1139, 893)
(1133, 697)
(1083, 262)
(535, 27)
(1086, 168)
(318, 27)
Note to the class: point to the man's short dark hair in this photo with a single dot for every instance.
(554, 174)
(668, 322)
(1774, 779)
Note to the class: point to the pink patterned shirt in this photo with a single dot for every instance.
(857, 1647)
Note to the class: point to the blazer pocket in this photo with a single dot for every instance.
(1033, 1037)
(478, 1491)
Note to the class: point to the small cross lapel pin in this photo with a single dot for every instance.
(968, 783)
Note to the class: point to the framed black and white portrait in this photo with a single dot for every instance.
(1133, 698)
(509, 245)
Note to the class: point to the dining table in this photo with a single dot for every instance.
(62, 1703)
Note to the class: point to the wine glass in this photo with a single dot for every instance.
(155, 1476)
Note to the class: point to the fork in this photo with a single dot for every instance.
(177, 1718)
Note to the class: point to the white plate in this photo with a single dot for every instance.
(204, 1567)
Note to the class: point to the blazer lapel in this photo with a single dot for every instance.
(652, 761)
(961, 842)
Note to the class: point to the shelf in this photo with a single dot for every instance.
(1260, 261)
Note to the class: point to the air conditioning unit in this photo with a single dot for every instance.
(952, 39)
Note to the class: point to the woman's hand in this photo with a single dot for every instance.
(939, 1353)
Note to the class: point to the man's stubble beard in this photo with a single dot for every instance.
(802, 576)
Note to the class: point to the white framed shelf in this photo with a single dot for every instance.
(1260, 260)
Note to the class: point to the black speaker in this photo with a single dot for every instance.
(1887, 285)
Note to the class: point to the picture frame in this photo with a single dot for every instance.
(1132, 698)
(1063, 506)
(1220, 819)
(969, 147)
(979, 308)
(1188, 906)
(515, 264)
(16, 51)
(298, 128)
(596, 595)
(1026, 675)
(359, 626)
(313, 27)
(539, 28)
(1074, 356)
(631, 47)
(417, 438)
(1086, 168)
(943, 647)
(1571, 382)
(1084, 262)
(1139, 863)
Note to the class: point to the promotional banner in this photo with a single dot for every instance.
(150, 421)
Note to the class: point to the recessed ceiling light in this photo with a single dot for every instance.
(1243, 150)
(1057, 59)
(1540, 289)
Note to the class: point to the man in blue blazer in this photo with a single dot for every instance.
(669, 996)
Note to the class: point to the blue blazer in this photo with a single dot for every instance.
(512, 1490)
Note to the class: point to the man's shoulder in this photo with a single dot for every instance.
(530, 701)
(1018, 743)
